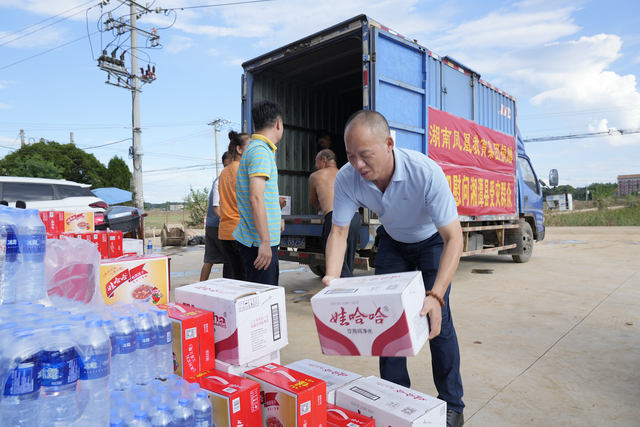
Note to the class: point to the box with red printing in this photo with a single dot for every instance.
(372, 315)
(290, 398)
(78, 221)
(101, 240)
(341, 417)
(334, 377)
(115, 244)
(85, 236)
(193, 340)
(235, 400)
(239, 370)
(53, 221)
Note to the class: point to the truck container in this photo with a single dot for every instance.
(434, 105)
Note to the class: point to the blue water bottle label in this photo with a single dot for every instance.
(169, 337)
(146, 339)
(203, 423)
(126, 344)
(12, 248)
(95, 367)
(59, 369)
(24, 379)
(34, 243)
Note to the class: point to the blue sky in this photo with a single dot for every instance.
(572, 65)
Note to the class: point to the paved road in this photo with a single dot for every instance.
(552, 342)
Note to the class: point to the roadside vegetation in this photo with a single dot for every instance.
(608, 212)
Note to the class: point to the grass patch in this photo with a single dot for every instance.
(157, 218)
(624, 217)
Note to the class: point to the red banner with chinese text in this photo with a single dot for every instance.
(478, 162)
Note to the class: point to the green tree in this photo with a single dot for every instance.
(197, 203)
(74, 163)
(118, 174)
(37, 167)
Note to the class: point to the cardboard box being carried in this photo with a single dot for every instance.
(250, 318)
(193, 339)
(290, 398)
(235, 400)
(139, 279)
(392, 405)
(372, 315)
(341, 417)
(273, 357)
(78, 221)
(334, 377)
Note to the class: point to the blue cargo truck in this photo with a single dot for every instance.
(358, 64)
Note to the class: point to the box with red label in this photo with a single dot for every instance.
(53, 221)
(101, 240)
(141, 279)
(391, 404)
(290, 398)
(372, 315)
(193, 339)
(78, 221)
(250, 318)
(53, 236)
(341, 417)
(235, 400)
(239, 370)
(334, 377)
(69, 234)
(85, 236)
(115, 244)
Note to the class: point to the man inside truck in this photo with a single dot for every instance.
(258, 232)
(419, 230)
(321, 195)
(333, 143)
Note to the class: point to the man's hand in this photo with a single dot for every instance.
(431, 307)
(326, 280)
(264, 256)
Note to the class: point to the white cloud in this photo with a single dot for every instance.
(179, 43)
(235, 62)
(46, 38)
(5, 106)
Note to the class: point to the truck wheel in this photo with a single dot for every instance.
(318, 270)
(527, 245)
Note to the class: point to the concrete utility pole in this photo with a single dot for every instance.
(21, 137)
(135, 97)
(217, 124)
(71, 138)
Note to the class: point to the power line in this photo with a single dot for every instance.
(41, 28)
(611, 132)
(216, 5)
(46, 51)
(45, 20)
(104, 145)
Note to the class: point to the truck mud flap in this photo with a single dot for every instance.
(311, 258)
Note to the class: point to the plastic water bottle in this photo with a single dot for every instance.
(110, 330)
(164, 393)
(133, 391)
(183, 415)
(202, 410)
(59, 376)
(11, 262)
(154, 402)
(116, 422)
(145, 357)
(21, 400)
(125, 354)
(176, 395)
(132, 409)
(140, 419)
(183, 385)
(194, 388)
(32, 239)
(149, 246)
(121, 406)
(164, 345)
(162, 418)
(95, 363)
(113, 395)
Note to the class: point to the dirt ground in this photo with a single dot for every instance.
(555, 341)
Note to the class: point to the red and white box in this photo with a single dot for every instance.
(101, 240)
(334, 377)
(372, 315)
(115, 244)
(193, 339)
(290, 398)
(53, 221)
(53, 236)
(250, 318)
(341, 417)
(392, 405)
(235, 400)
(85, 236)
(273, 357)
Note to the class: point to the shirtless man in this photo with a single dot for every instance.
(321, 194)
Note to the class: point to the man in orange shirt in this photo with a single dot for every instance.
(229, 216)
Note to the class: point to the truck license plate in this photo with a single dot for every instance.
(293, 242)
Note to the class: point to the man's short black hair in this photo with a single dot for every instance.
(322, 134)
(328, 154)
(265, 114)
(374, 120)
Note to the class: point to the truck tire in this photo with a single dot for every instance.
(527, 245)
(318, 270)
